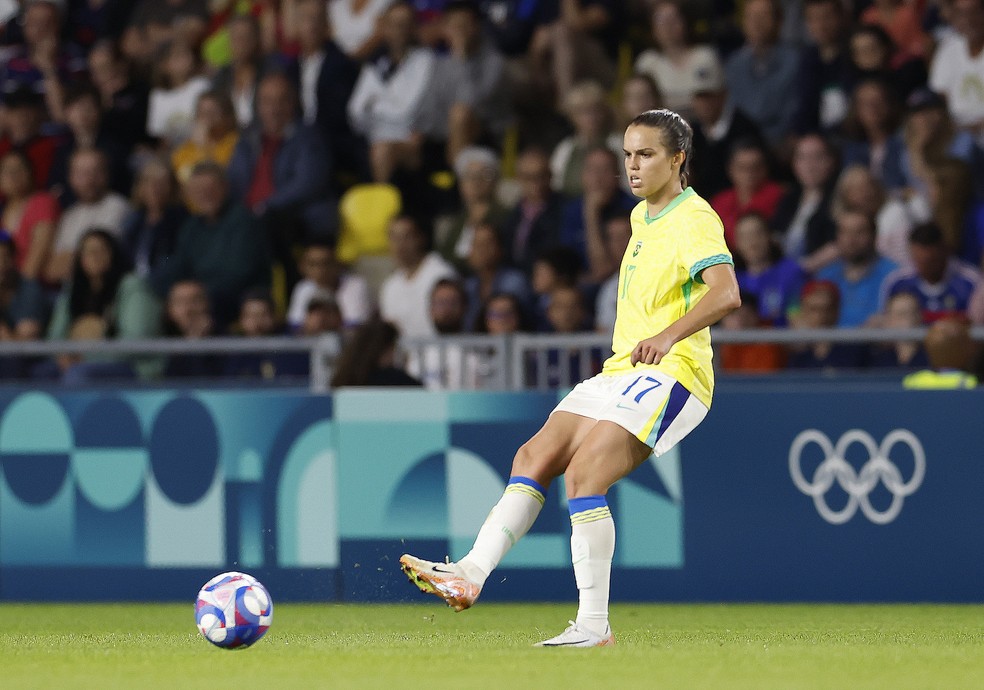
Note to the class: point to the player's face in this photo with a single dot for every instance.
(649, 165)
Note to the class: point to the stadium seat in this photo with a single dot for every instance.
(365, 211)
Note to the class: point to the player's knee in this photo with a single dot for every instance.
(534, 464)
(585, 476)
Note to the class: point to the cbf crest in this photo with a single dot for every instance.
(638, 246)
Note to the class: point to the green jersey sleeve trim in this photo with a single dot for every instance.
(697, 268)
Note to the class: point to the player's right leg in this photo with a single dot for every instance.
(537, 463)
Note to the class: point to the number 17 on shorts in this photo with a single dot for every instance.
(650, 405)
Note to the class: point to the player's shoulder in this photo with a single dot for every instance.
(696, 210)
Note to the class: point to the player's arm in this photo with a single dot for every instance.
(720, 298)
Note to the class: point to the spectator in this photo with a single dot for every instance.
(639, 94)
(443, 365)
(404, 296)
(752, 189)
(322, 316)
(762, 75)
(188, 315)
(763, 272)
(554, 267)
(560, 366)
(749, 357)
(975, 308)
(257, 319)
(584, 216)
(369, 358)
(222, 245)
(22, 303)
(104, 300)
(930, 136)
(959, 62)
(618, 232)
(326, 77)
(871, 130)
(154, 23)
(490, 275)
(586, 107)
(512, 25)
(27, 217)
(280, 170)
(901, 20)
(579, 43)
(178, 82)
(213, 135)
(150, 229)
(20, 128)
(323, 274)
(875, 56)
(89, 20)
(86, 129)
(502, 314)
(953, 208)
(943, 284)
(239, 79)
(355, 24)
(819, 308)
(388, 96)
(466, 102)
(718, 126)
(825, 74)
(859, 272)
(566, 310)
(858, 190)
(43, 64)
(676, 65)
(951, 353)
(902, 311)
(477, 170)
(96, 206)
(534, 223)
(803, 219)
(123, 97)
(275, 24)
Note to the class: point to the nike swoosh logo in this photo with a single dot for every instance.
(436, 569)
(624, 407)
(567, 644)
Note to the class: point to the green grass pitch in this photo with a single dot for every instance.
(150, 646)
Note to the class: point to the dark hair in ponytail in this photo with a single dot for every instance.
(677, 134)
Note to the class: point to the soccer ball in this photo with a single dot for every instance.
(233, 610)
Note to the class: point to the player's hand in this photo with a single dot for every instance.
(651, 350)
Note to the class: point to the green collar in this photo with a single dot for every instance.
(679, 199)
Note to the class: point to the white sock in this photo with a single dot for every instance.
(592, 550)
(506, 524)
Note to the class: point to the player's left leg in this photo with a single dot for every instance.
(623, 439)
(607, 454)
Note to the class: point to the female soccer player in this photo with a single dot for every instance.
(676, 279)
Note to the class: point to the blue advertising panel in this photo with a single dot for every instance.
(781, 494)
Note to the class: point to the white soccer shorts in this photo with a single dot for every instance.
(653, 407)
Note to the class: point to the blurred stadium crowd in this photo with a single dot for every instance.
(189, 168)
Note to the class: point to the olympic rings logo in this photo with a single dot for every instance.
(857, 484)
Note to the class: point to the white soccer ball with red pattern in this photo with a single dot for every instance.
(233, 610)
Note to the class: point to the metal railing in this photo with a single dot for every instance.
(450, 362)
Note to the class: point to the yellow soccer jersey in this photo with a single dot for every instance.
(660, 280)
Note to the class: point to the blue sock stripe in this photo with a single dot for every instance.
(579, 505)
(518, 479)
